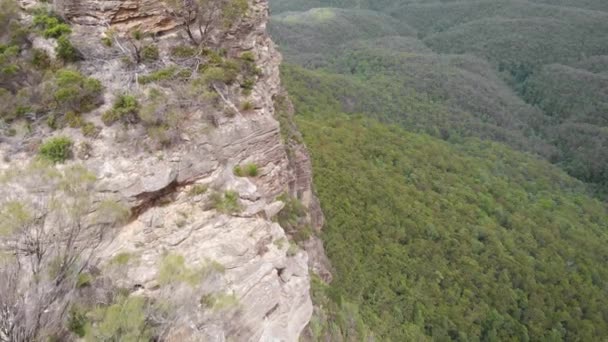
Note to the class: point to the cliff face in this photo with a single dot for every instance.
(256, 283)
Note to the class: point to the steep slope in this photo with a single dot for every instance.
(164, 135)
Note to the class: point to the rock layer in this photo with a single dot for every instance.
(261, 276)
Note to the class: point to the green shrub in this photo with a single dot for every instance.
(52, 25)
(84, 280)
(121, 259)
(124, 320)
(56, 150)
(292, 214)
(75, 92)
(173, 269)
(248, 56)
(77, 321)
(227, 202)
(166, 74)
(66, 51)
(247, 85)
(249, 170)
(89, 130)
(233, 11)
(40, 59)
(247, 106)
(197, 189)
(125, 109)
(183, 51)
(159, 134)
(106, 41)
(149, 53)
(74, 120)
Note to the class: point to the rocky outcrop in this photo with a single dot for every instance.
(148, 15)
(260, 276)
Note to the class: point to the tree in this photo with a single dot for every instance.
(50, 229)
(200, 17)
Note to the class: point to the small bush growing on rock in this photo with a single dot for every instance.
(247, 106)
(149, 53)
(107, 41)
(56, 150)
(248, 56)
(165, 74)
(124, 320)
(75, 92)
(227, 202)
(249, 170)
(52, 25)
(40, 59)
(197, 189)
(183, 51)
(66, 51)
(89, 130)
(125, 109)
(121, 259)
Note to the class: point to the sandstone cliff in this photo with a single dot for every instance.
(256, 283)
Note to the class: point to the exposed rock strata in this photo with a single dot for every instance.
(268, 278)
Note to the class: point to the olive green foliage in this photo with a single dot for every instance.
(469, 241)
(40, 59)
(201, 17)
(226, 202)
(121, 259)
(293, 218)
(197, 189)
(173, 269)
(165, 74)
(66, 51)
(233, 10)
(72, 91)
(512, 72)
(335, 319)
(183, 51)
(149, 53)
(125, 109)
(84, 280)
(247, 170)
(13, 214)
(52, 26)
(126, 319)
(56, 149)
(219, 301)
(247, 106)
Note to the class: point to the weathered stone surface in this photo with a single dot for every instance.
(147, 15)
(270, 286)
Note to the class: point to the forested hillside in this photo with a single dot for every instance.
(460, 151)
(529, 74)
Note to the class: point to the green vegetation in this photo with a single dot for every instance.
(52, 26)
(505, 71)
(197, 189)
(121, 259)
(123, 320)
(56, 149)
(149, 53)
(226, 202)
(248, 170)
(66, 51)
(457, 241)
(75, 92)
(125, 109)
(173, 269)
(165, 74)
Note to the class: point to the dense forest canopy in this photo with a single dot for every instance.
(460, 151)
